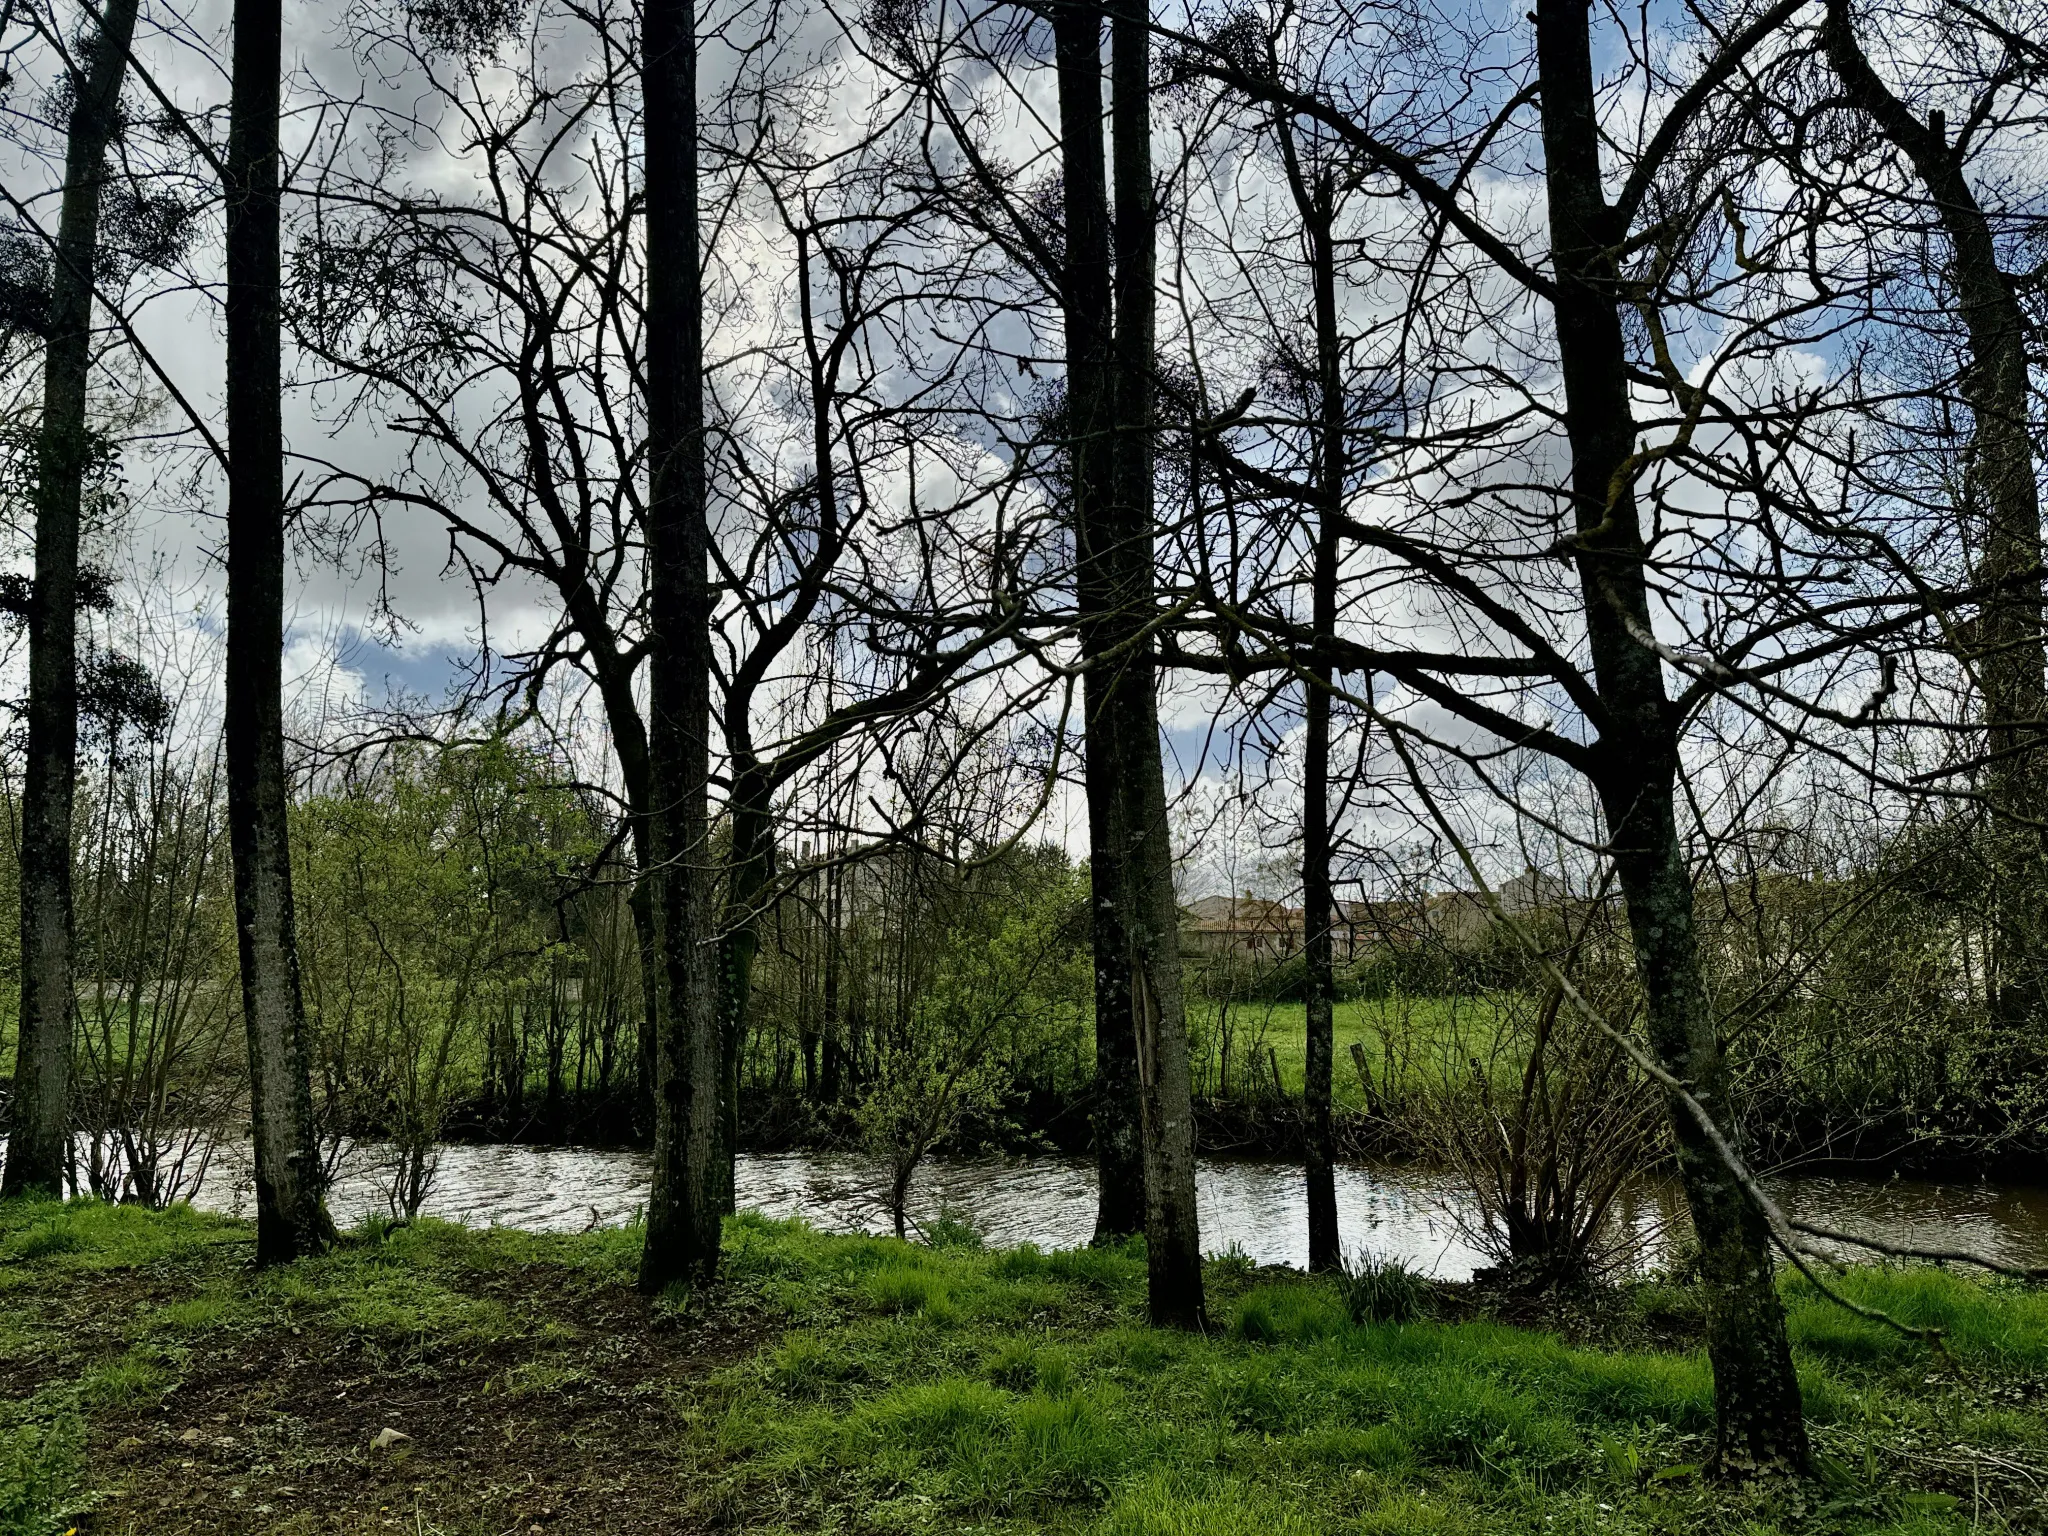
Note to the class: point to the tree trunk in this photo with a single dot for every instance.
(1756, 1394)
(899, 1195)
(1086, 299)
(748, 873)
(1319, 1147)
(830, 1023)
(1147, 908)
(684, 1204)
(42, 1064)
(291, 1219)
(2006, 652)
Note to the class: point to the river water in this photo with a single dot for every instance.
(1413, 1214)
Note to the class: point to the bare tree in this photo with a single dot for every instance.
(688, 1196)
(2004, 647)
(1605, 329)
(1088, 314)
(504, 329)
(1106, 272)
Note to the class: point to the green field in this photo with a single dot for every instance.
(156, 1383)
(1429, 1035)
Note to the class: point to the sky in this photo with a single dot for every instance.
(361, 632)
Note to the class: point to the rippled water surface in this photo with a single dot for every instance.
(1415, 1214)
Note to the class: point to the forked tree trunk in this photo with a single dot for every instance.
(2005, 649)
(685, 1202)
(1149, 912)
(1756, 1394)
(291, 1218)
(1087, 299)
(42, 1064)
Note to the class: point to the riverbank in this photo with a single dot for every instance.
(151, 1382)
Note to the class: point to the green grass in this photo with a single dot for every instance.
(891, 1387)
(1017, 1391)
(1430, 1035)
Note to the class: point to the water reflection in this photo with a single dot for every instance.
(1409, 1213)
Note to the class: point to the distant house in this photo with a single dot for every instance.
(1533, 891)
(1251, 928)
(1240, 928)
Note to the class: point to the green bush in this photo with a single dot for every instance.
(38, 1472)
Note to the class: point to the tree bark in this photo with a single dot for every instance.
(2006, 651)
(684, 1204)
(1087, 308)
(1756, 1394)
(291, 1218)
(1319, 1146)
(1150, 914)
(749, 872)
(39, 1140)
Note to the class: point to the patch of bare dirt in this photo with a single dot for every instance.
(575, 1427)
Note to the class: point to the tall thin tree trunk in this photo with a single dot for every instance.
(1087, 300)
(749, 871)
(1756, 1394)
(291, 1218)
(42, 1063)
(1318, 914)
(2006, 649)
(830, 1022)
(1150, 914)
(684, 1204)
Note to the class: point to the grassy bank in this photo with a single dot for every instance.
(152, 1383)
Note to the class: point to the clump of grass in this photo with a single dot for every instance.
(194, 1315)
(901, 1289)
(91, 1234)
(1383, 1290)
(127, 1380)
(541, 1378)
(969, 1445)
(953, 1229)
(45, 1239)
(1025, 1365)
(1287, 1312)
(806, 1365)
(377, 1228)
(1233, 1266)
(1675, 1306)
(1168, 1505)
(1109, 1269)
(1140, 1351)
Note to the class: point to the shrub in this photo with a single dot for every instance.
(38, 1470)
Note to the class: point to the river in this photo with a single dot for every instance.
(1417, 1215)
